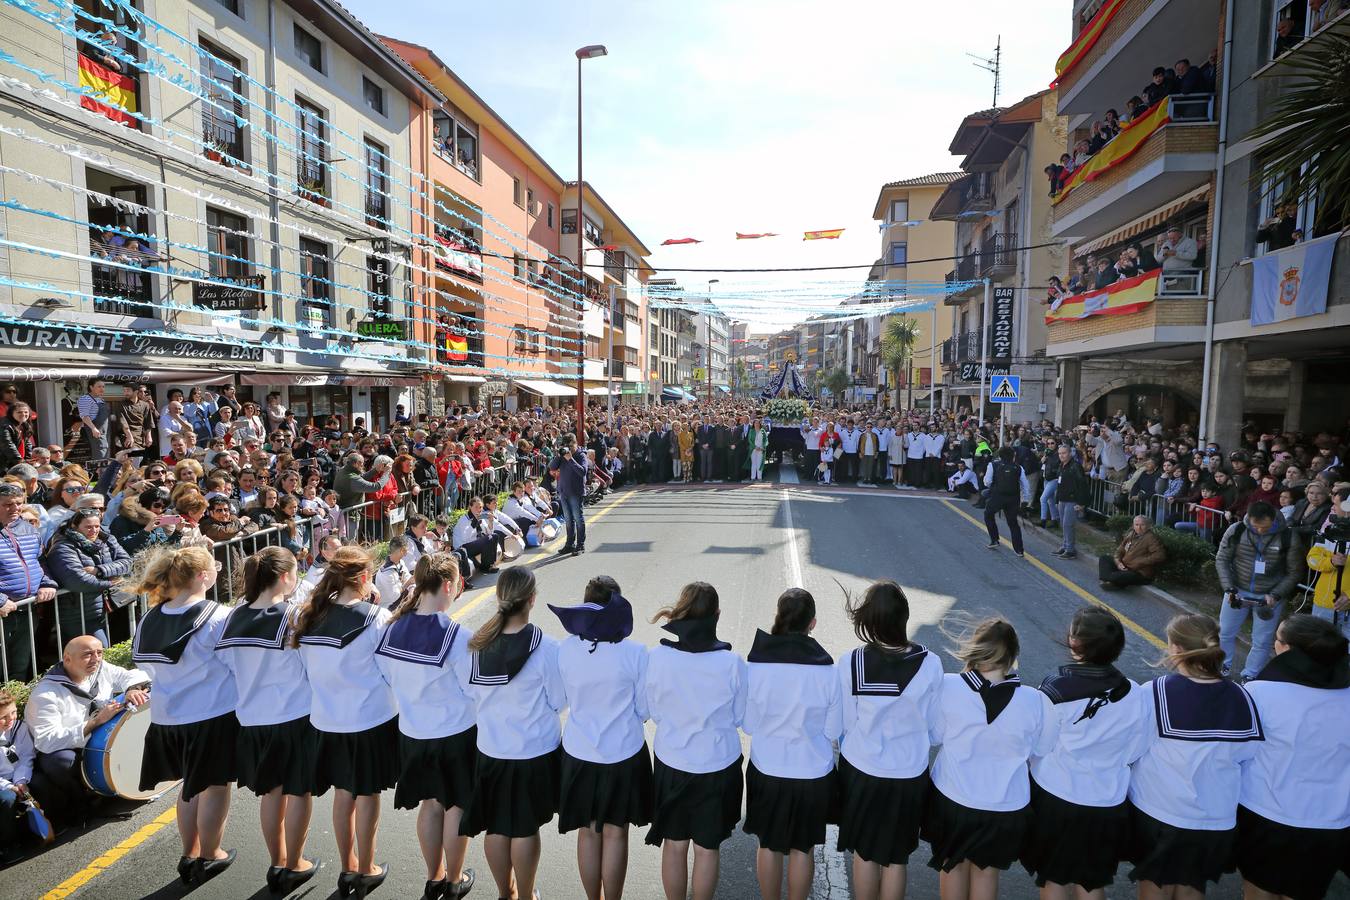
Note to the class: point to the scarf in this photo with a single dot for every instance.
(1293, 666)
(885, 673)
(419, 639)
(163, 637)
(499, 662)
(695, 635)
(996, 697)
(1081, 681)
(608, 622)
(792, 649)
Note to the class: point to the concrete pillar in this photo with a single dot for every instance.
(1068, 392)
(1227, 394)
(1298, 377)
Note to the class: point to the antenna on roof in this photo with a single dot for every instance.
(992, 64)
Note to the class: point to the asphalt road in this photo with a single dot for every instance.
(751, 542)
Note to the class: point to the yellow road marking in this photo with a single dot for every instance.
(1128, 622)
(477, 599)
(104, 862)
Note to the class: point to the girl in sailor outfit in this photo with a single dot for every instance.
(277, 748)
(889, 688)
(356, 716)
(475, 535)
(521, 509)
(696, 692)
(794, 716)
(511, 675)
(504, 525)
(988, 725)
(606, 770)
(1184, 789)
(1294, 817)
(193, 729)
(1080, 829)
(417, 656)
(393, 576)
(323, 553)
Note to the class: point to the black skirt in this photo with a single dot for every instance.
(283, 755)
(621, 793)
(1267, 851)
(201, 753)
(788, 814)
(703, 808)
(362, 763)
(512, 797)
(990, 840)
(1069, 843)
(439, 769)
(1165, 854)
(880, 818)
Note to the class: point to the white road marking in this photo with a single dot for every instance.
(794, 557)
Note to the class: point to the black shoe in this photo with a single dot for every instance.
(567, 551)
(434, 890)
(345, 882)
(274, 878)
(490, 570)
(206, 869)
(290, 879)
(1070, 555)
(187, 869)
(578, 551)
(461, 887)
(363, 884)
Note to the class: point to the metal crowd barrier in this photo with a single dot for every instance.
(27, 632)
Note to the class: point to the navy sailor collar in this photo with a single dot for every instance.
(341, 625)
(264, 628)
(608, 622)
(500, 661)
(163, 637)
(878, 672)
(1081, 681)
(695, 635)
(1189, 710)
(792, 649)
(1293, 666)
(423, 640)
(996, 697)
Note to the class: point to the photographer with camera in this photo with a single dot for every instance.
(1331, 589)
(1259, 563)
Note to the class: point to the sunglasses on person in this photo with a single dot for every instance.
(73, 489)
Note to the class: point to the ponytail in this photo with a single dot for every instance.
(264, 569)
(343, 572)
(796, 611)
(1193, 642)
(431, 573)
(515, 589)
(161, 572)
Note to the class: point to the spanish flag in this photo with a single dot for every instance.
(827, 235)
(1126, 296)
(671, 242)
(1124, 145)
(111, 93)
(1088, 37)
(741, 236)
(456, 347)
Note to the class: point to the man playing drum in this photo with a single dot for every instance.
(73, 699)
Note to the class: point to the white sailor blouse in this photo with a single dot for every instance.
(889, 697)
(268, 672)
(417, 656)
(347, 694)
(177, 647)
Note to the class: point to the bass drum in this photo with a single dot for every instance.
(112, 757)
(512, 547)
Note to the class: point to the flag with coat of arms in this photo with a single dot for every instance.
(1292, 282)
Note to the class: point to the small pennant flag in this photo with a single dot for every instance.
(827, 235)
(672, 241)
(751, 237)
(610, 247)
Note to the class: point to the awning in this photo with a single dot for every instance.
(1145, 222)
(599, 391)
(324, 379)
(465, 379)
(545, 388)
(144, 376)
(673, 392)
(724, 389)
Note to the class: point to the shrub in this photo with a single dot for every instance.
(1190, 559)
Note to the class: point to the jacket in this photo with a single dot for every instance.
(1073, 485)
(1331, 581)
(21, 572)
(350, 485)
(58, 708)
(129, 527)
(1238, 553)
(15, 445)
(66, 559)
(1142, 553)
(1306, 526)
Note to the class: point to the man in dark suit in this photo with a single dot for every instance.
(1190, 80)
(658, 450)
(704, 440)
(740, 450)
(722, 440)
(637, 456)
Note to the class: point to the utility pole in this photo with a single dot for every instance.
(591, 51)
(708, 349)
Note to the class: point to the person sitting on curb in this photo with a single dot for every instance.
(1136, 560)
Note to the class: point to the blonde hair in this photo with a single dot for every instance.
(430, 574)
(989, 644)
(191, 465)
(1193, 642)
(515, 589)
(161, 572)
(343, 571)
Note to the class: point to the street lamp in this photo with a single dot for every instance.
(708, 349)
(591, 51)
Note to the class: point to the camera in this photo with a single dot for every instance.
(1338, 530)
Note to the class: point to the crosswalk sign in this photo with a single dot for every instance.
(1005, 389)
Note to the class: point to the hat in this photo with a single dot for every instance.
(609, 622)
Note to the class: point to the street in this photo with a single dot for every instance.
(751, 542)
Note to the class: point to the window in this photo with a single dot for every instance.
(592, 230)
(518, 267)
(223, 100)
(308, 48)
(377, 284)
(377, 184)
(315, 282)
(899, 254)
(231, 5)
(373, 93)
(550, 215)
(593, 348)
(517, 196)
(532, 270)
(569, 221)
(1278, 200)
(312, 165)
(522, 339)
(529, 200)
(457, 141)
(229, 248)
(899, 211)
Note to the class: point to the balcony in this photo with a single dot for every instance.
(223, 140)
(1142, 34)
(965, 347)
(312, 180)
(1174, 160)
(998, 254)
(459, 257)
(1169, 321)
(121, 291)
(377, 210)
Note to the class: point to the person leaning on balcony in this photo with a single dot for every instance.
(1106, 274)
(1177, 251)
(1135, 107)
(1277, 232)
(1158, 88)
(1136, 559)
(1190, 80)
(1287, 36)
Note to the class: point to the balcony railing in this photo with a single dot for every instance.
(312, 175)
(121, 291)
(967, 267)
(377, 209)
(1182, 283)
(224, 140)
(1191, 107)
(978, 193)
(456, 256)
(998, 253)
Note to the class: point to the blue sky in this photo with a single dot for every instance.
(713, 117)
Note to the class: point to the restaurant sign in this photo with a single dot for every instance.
(239, 295)
(123, 343)
(382, 329)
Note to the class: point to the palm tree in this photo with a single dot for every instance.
(1307, 153)
(836, 382)
(897, 348)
